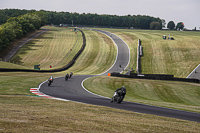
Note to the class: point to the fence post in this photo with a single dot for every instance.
(138, 57)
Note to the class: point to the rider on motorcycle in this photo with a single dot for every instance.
(119, 95)
(70, 75)
(66, 76)
(121, 91)
(51, 79)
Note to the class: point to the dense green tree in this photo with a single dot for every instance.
(180, 26)
(16, 27)
(9, 31)
(163, 23)
(171, 25)
(4, 41)
(8, 13)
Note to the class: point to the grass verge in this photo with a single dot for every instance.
(176, 95)
(46, 115)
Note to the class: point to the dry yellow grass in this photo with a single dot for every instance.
(46, 115)
(50, 48)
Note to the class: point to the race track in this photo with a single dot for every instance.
(73, 90)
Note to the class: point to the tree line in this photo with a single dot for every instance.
(17, 27)
(52, 17)
(139, 21)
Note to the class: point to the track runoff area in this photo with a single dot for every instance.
(73, 89)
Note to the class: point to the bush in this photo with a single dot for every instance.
(155, 25)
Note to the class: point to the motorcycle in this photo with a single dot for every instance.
(49, 82)
(117, 97)
(66, 77)
(70, 75)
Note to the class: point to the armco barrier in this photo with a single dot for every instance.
(156, 77)
(52, 70)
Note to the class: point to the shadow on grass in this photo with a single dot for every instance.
(27, 48)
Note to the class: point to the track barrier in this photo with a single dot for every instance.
(155, 77)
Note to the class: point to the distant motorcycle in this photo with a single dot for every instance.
(70, 75)
(50, 80)
(66, 77)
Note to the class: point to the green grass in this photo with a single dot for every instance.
(98, 56)
(177, 57)
(11, 65)
(177, 95)
(22, 113)
(50, 48)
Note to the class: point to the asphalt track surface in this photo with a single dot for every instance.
(195, 74)
(73, 90)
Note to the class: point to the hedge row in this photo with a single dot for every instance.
(156, 77)
(52, 70)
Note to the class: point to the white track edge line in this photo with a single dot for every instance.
(192, 71)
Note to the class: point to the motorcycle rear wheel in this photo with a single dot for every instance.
(120, 99)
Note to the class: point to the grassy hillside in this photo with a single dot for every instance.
(178, 95)
(11, 65)
(22, 112)
(32, 114)
(99, 55)
(51, 48)
(177, 57)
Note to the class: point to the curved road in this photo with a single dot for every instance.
(73, 90)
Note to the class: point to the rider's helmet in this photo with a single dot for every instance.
(123, 89)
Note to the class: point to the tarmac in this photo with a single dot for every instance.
(195, 74)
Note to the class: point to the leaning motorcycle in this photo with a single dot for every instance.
(70, 75)
(66, 77)
(117, 97)
(49, 82)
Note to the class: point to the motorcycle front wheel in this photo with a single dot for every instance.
(111, 100)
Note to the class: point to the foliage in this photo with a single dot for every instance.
(180, 26)
(163, 23)
(8, 13)
(51, 17)
(171, 25)
(17, 27)
(155, 25)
